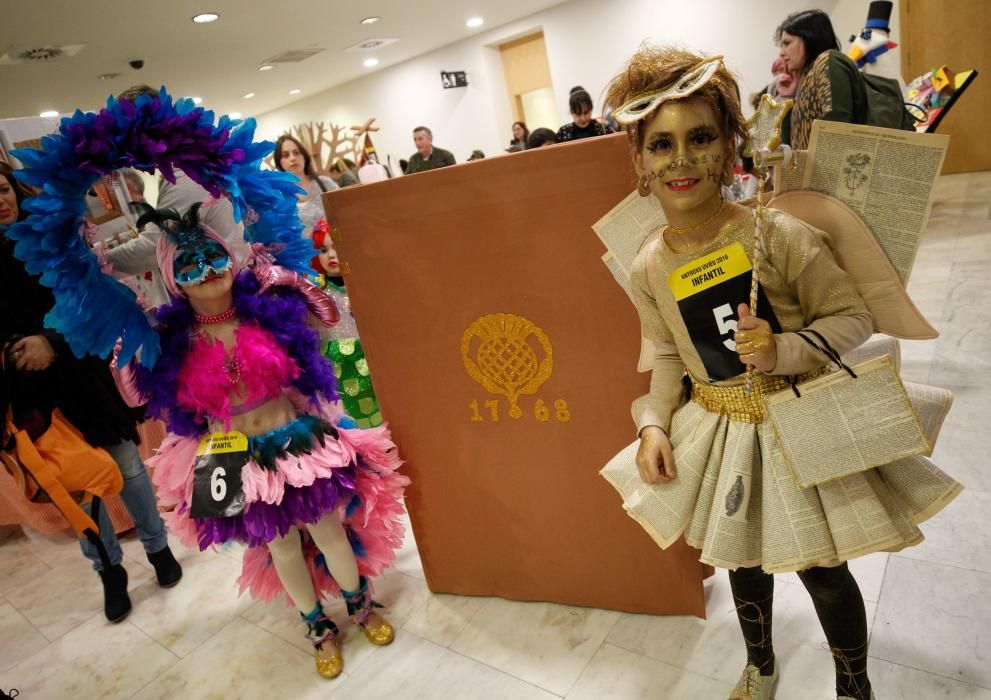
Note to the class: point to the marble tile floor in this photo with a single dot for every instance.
(928, 606)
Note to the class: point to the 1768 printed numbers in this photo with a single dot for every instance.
(542, 413)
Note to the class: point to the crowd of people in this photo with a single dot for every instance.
(319, 498)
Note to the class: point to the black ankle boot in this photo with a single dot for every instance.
(116, 602)
(167, 569)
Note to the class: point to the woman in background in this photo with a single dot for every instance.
(520, 134)
(291, 156)
(584, 125)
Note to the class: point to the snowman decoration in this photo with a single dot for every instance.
(872, 48)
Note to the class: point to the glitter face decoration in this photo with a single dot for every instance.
(643, 105)
(194, 262)
(684, 155)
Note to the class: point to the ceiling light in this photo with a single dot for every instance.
(370, 20)
(267, 66)
(206, 17)
(295, 91)
(248, 95)
(474, 22)
(234, 115)
(49, 113)
(108, 76)
(371, 62)
(196, 100)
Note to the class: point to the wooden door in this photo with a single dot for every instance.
(525, 64)
(954, 33)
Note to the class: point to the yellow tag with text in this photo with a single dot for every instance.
(709, 270)
(221, 443)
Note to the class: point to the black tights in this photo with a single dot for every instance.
(840, 608)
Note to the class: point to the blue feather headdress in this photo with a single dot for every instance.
(93, 310)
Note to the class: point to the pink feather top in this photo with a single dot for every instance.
(256, 369)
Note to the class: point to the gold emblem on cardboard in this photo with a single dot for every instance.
(505, 359)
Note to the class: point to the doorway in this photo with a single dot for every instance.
(528, 80)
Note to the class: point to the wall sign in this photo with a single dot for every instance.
(453, 79)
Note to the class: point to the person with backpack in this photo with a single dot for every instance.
(830, 86)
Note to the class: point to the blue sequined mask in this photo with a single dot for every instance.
(192, 264)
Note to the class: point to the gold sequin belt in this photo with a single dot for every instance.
(734, 401)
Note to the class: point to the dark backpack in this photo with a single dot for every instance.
(885, 104)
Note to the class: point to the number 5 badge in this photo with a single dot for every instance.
(708, 291)
(217, 491)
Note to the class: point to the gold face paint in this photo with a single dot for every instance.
(683, 157)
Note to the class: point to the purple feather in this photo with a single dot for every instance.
(262, 522)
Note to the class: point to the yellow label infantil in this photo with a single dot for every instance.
(220, 443)
(709, 270)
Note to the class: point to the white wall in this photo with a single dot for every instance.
(588, 42)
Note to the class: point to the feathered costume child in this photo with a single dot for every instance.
(314, 473)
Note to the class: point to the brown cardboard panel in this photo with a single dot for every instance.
(512, 507)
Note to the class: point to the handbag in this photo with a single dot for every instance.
(844, 422)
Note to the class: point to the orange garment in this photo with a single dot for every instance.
(66, 467)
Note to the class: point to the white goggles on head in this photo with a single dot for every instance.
(641, 106)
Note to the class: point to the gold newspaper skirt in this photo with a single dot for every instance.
(735, 498)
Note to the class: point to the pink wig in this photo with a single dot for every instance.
(166, 258)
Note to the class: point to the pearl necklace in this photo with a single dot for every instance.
(218, 318)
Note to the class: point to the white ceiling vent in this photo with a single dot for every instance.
(370, 45)
(294, 56)
(47, 53)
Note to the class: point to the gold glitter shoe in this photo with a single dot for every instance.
(328, 657)
(377, 629)
(753, 686)
(322, 632)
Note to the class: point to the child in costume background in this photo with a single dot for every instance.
(340, 343)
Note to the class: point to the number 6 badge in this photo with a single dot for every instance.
(217, 491)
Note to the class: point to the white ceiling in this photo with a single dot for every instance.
(219, 61)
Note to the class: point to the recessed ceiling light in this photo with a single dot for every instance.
(267, 66)
(234, 115)
(206, 17)
(371, 62)
(474, 22)
(196, 100)
(295, 91)
(248, 95)
(370, 20)
(49, 113)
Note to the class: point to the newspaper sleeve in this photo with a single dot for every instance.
(841, 425)
(627, 225)
(886, 175)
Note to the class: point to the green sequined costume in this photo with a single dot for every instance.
(343, 347)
